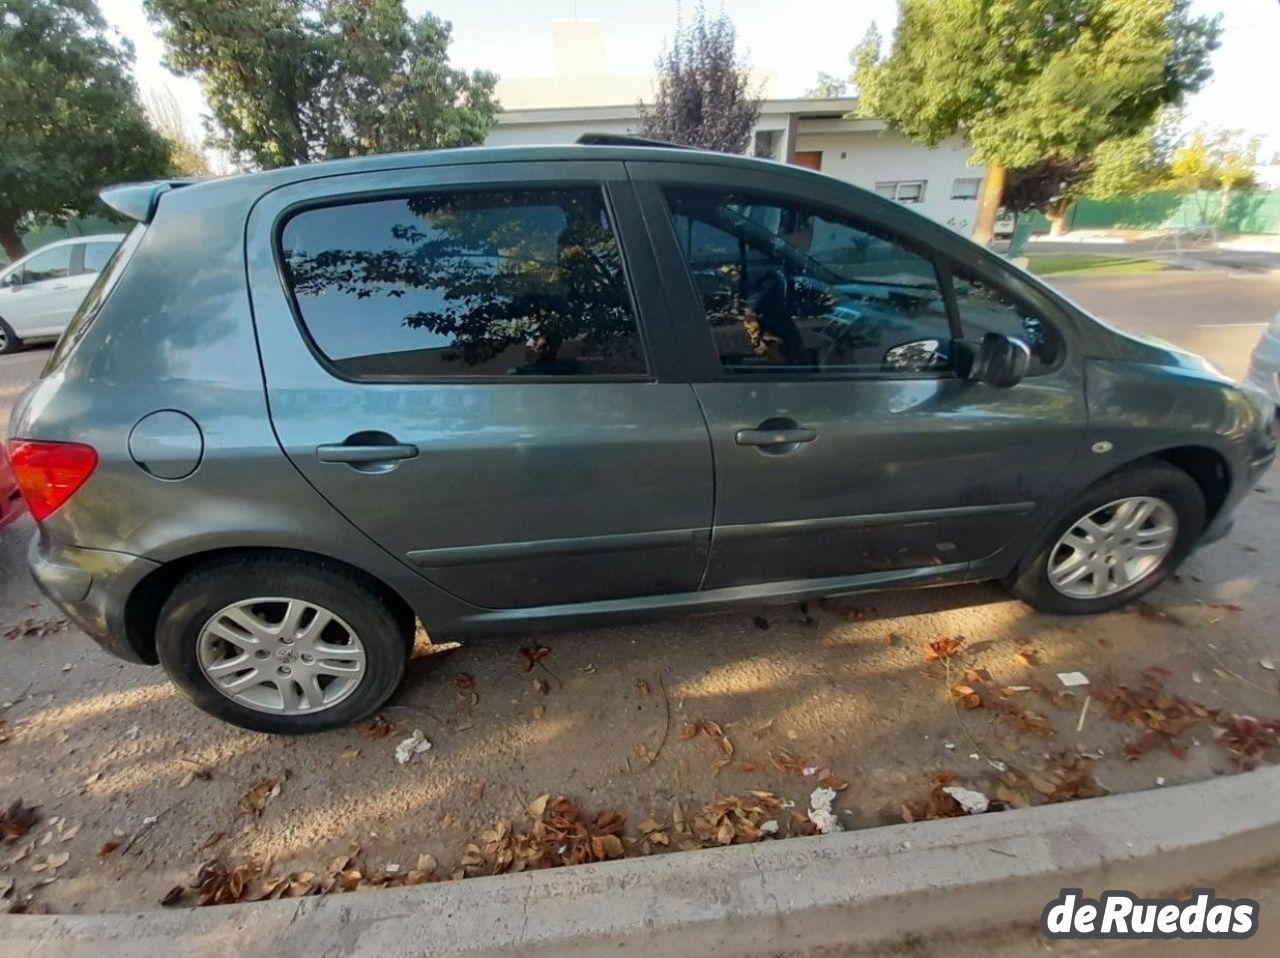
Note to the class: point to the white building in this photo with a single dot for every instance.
(815, 133)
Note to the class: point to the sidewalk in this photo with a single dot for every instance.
(942, 882)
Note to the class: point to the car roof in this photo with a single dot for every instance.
(139, 201)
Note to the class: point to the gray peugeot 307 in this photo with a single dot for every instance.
(497, 389)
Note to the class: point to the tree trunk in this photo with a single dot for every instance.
(984, 229)
(1057, 216)
(10, 239)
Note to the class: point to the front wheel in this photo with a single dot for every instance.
(1117, 541)
(9, 341)
(281, 645)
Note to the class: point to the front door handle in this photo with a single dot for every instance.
(342, 453)
(775, 437)
(366, 447)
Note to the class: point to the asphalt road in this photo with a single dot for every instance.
(111, 749)
(1219, 315)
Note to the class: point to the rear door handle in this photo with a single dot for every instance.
(341, 452)
(774, 437)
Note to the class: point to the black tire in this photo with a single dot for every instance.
(1149, 477)
(9, 341)
(211, 588)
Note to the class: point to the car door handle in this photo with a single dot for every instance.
(774, 437)
(343, 452)
(60, 286)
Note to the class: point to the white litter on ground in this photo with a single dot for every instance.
(974, 803)
(1072, 679)
(415, 744)
(820, 812)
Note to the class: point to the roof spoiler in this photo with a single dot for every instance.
(626, 139)
(138, 201)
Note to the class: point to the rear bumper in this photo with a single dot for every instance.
(91, 586)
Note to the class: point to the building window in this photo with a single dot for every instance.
(902, 191)
(966, 187)
(766, 145)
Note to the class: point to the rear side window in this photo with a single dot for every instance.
(464, 284)
(96, 256)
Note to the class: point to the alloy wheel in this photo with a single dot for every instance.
(1113, 547)
(281, 655)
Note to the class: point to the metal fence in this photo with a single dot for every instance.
(1240, 211)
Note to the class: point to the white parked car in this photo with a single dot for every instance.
(1264, 366)
(40, 292)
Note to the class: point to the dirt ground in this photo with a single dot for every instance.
(112, 755)
(103, 747)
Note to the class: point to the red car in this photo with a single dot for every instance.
(10, 501)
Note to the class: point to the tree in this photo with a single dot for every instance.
(290, 81)
(827, 86)
(1034, 82)
(704, 95)
(166, 116)
(70, 121)
(1210, 159)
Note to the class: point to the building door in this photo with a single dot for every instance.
(809, 159)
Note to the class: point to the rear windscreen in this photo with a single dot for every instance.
(94, 300)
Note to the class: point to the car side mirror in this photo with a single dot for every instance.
(1000, 361)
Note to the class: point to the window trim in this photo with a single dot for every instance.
(941, 268)
(897, 184)
(357, 197)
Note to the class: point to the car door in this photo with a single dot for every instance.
(39, 299)
(469, 363)
(823, 346)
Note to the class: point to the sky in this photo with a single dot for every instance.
(792, 38)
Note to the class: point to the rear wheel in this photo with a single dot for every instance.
(1118, 540)
(9, 342)
(282, 645)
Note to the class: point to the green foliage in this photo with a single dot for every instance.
(826, 86)
(1036, 82)
(1215, 160)
(291, 81)
(70, 121)
(704, 89)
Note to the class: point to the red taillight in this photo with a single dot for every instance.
(48, 473)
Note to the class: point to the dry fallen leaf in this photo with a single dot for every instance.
(17, 820)
(941, 650)
(531, 655)
(377, 728)
(106, 848)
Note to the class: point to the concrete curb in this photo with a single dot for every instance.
(856, 889)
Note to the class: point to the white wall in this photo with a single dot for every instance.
(564, 131)
(867, 158)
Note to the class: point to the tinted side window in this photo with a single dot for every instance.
(984, 309)
(96, 256)
(788, 288)
(51, 264)
(483, 283)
